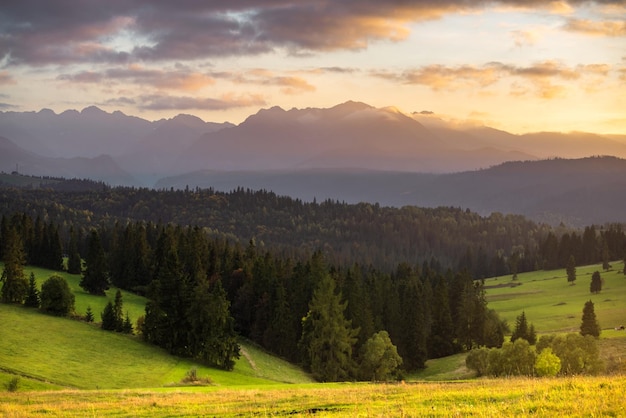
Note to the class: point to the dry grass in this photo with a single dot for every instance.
(588, 396)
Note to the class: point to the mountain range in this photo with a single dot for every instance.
(350, 152)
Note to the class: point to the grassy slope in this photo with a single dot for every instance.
(553, 305)
(51, 356)
(51, 352)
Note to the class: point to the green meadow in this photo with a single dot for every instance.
(554, 305)
(67, 367)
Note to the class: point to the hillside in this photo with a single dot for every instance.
(56, 353)
(64, 353)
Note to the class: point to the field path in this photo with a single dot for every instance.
(245, 353)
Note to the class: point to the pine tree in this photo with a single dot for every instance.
(589, 324)
(32, 297)
(521, 328)
(596, 283)
(605, 256)
(166, 322)
(109, 320)
(95, 278)
(127, 325)
(211, 333)
(14, 282)
(89, 314)
(74, 262)
(571, 270)
(441, 341)
(118, 306)
(327, 336)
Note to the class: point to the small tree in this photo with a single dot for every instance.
(127, 325)
(109, 321)
(589, 325)
(605, 256)
(571, 270)
(118, 307)
(379, 358)
(596, 283)
(56, 296)
(32, 297)
(524, 330)
(89, 314)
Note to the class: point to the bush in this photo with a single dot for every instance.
(56, 296)
(547, 363)
(578, 354)
(13, 384)
(478, 360)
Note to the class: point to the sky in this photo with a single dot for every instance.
(517, 65)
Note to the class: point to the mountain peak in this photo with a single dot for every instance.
(92, 110)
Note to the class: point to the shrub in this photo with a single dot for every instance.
(547, 363)
(478, 360)
(56, 296)
(13, 384)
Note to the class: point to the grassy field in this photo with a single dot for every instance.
(590, 396)
(71, 368)
(553, 305)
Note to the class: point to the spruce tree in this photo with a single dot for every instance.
(109, 320)
(327, 336)
(589, 324)
(95, 278)
(74, 262)
(32, 297)
(571, 270)
(521, 328)
(118, 306)
(88, 314)
(211, 334)
(596, 283)
(14, 282)
(127, 325)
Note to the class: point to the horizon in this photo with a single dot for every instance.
(522, 67)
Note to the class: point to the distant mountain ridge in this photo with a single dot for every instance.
(577, 192)
(351, 152)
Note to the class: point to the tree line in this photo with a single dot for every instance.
(362, 233)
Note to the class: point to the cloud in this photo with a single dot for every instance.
(6, 106)
(164, 102)
(538, 79)
(181, 79)
(120, 32)
(288, 84)
(609, 28)
(525, 37)
(6, 78)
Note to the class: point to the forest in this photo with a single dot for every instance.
(286, 274)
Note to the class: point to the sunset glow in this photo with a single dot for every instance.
(523, 66)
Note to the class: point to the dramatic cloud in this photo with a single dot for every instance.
(611, 28)
(73, 31)
(163, 102)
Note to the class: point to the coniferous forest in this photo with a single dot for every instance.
(290, 275)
